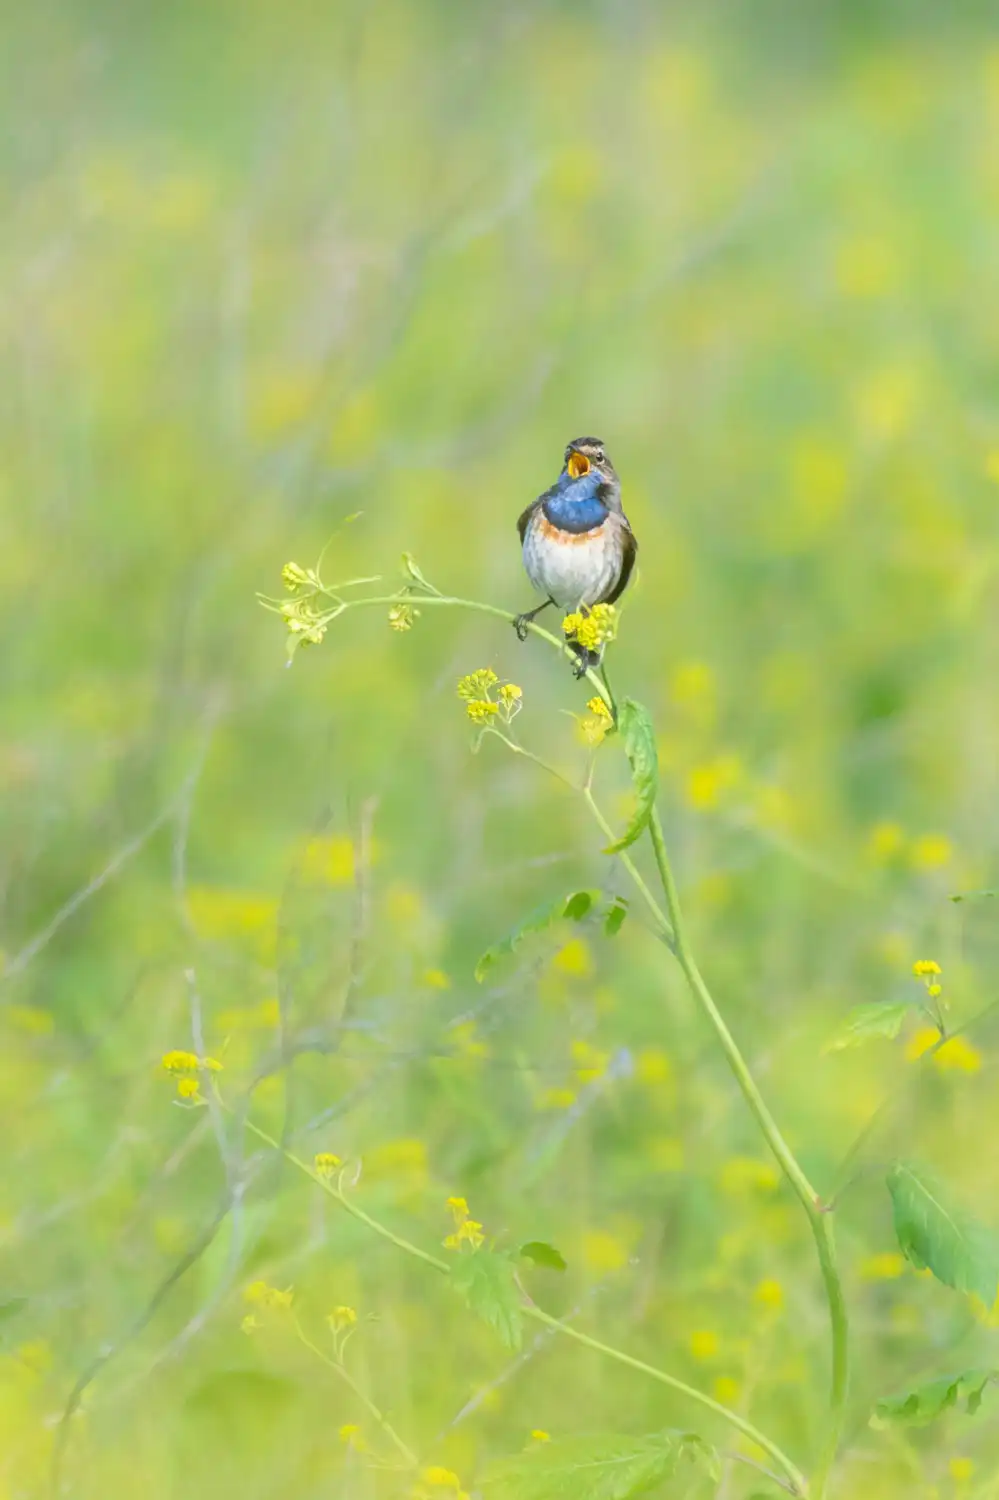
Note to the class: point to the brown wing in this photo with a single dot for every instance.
(525, 519)
(627, 563)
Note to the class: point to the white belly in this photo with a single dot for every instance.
(582, 571)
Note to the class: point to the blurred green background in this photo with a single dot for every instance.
(265, 269)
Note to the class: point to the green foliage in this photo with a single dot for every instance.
(865, 1022)
(543, 1254)
(935, 1234)
(571, 908)
(484, 1279)
(918, 1407)
(596, 1467)
(639, 738)
(614, 918)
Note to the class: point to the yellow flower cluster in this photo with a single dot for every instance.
(477, 692)
(467, 1231)
(262, 1294)
(595, 725)
(325, 1164)
(593, 628)
(401, 617)
(434, 1477)
(184, 1067)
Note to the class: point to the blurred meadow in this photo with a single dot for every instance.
(274, 278)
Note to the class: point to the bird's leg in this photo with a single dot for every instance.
(521, 623)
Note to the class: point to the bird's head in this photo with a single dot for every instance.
(588, 467)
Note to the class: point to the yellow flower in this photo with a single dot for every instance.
(590, 1061)
(350, 1436)
(653, 1066)
(436, 979)
(441, 1478)
(887, 1266)
(180, 1062)
(961, 1469)
(603, 1251)
(510, 700)
(477, 684)
(708, 784)
(744, 1174)
(884, 843)
(467, 1233)
(458, 1208)
(931, 851)
(704, 1344)
(574, 959)
(342, 1317)
(770, 1293)
(261, 1294)
(592, 629)
(958, 1055)
(326, 1163)
(401, 617)
(250, 1323)
(921, 1041)
(598, 707)
(925, 966)
(538, 1435)
(187, 1088)
(727, 1390)
(480, 710)
(555, 1098)
(293, 576)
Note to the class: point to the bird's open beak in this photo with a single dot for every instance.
(578, 465)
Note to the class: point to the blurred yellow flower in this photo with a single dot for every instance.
(727, 1390)
(402, 1161)
(961, 1470)
(187, 1088)
(885, 843)
(342, 1317)
(590, 1061)
(180, 1062)
(887, 1266)
(931, 851)
(282, 401)
(262, 1294)
(350, 1436)
(956, 1055)
(326, 1163)
(664, 1153)
(538, 1435)
(603, 1251)
(992, 464)
(653, 1066)
(866, 266)
(925, 966)
(746, 1174)
(436, 979)
(770, 1293)
(330, 860)
(708, 784)
(556, 1098)
(402, 616)
(574, 958)
(704, 1344)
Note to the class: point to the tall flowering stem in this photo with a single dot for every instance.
(671, 926)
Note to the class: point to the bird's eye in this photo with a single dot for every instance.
(599, 455)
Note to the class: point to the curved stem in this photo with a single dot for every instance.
(409, 1457)
(796, 1481)
(819, 1217)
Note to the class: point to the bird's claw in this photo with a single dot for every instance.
(520, 626)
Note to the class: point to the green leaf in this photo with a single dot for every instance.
(639, 738)
(927, 1402)
(570, 908)
(598, 1466)
(934, 1234)
(615, 915)
(976, 896)
(543, 1254)
(864, 1022)
(484, 1281)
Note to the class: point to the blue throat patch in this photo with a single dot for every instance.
(576, 506)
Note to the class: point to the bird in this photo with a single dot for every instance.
(578, 546)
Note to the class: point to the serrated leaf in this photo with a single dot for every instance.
(639, 737)
(865, 1022)
(543, 1254)
(615, 915)
(927, 1402)
(571, 908)
(598, 1466)
(935, 1234)
(484, 1281)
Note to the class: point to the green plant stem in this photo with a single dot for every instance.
(447, 601)
(409, 1457)
(818, 1217)
(797, 1483)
